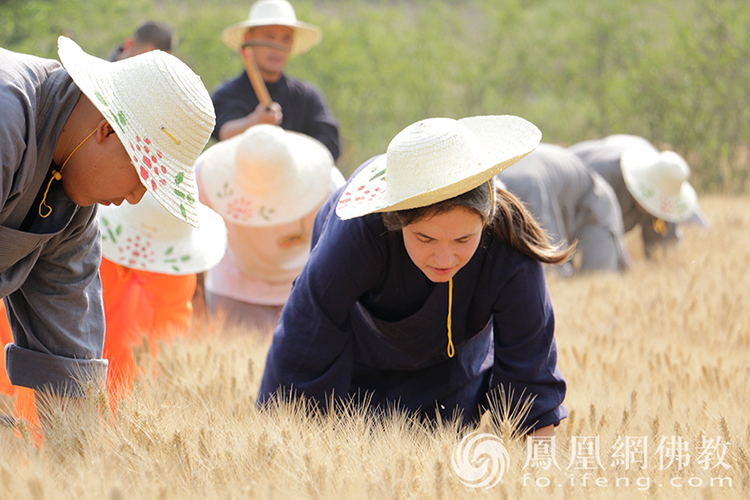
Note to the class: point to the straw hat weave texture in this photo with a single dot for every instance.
(269, 13)
(437, 159)
(266, 176)
(147, 237)
(160, 110)
(659, 183)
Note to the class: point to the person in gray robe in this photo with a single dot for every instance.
(603, 156)
(59, 158)
(572, 203)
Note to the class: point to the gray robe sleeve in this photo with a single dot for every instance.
(49, 278)
(57, 315)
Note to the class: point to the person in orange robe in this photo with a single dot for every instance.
(6, 337)
(149, 277)
(141, 308)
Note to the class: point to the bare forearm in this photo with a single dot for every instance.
(235, 127)
(544, 431)
(271, 115)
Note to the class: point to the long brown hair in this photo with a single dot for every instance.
(510, 219)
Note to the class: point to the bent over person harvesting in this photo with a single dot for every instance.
(425, 287)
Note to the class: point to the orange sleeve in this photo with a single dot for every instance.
(138, 305)
(24, 404)
(172, 299)
(128, 316)
(6, 337)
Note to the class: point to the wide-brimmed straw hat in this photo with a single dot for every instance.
(269, 13)
(160, 110)
(266, 176)
(659, 182)
(147, 237)
(436, 159)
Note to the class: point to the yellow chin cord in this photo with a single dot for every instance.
(659, 225)
(451, 350)
(56, 176)
(492, 203)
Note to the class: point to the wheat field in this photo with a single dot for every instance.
(656, 361)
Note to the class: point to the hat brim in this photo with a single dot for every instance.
(166, 172)
(314, 167)
(503, 139)
(306, 35)
(671, 208)
(124, 244)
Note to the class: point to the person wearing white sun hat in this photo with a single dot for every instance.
(425, 287)
(149, 279)
(73, 136)
(267, 184)
(267, 38)
(148, 274)
(652, 187)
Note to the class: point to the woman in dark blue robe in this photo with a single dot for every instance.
(425, 287)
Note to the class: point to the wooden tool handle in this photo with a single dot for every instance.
(255, 78)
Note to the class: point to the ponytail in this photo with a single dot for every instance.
(515, 226)
(511, 221)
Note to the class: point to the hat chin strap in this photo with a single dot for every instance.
(492, 202)
(56, 176)
(450, 349)
(659, 225)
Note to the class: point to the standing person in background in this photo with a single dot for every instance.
(572, 203)
(651, 186)
(271, 34)
(151, 35)
(267, 184)
(425, 287)
(90, 133)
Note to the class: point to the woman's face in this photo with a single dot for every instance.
(442, 244)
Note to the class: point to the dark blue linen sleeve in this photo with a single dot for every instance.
(320, 121)
(525, 363)
(312, 349)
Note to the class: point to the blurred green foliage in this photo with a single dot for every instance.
(676, 72)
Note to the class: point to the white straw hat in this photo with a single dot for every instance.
(266, 176)
(269, 13)
(436, 159)
(659, 182)
(160, 110)
(146, 237)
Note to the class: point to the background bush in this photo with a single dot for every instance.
(673, 71)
